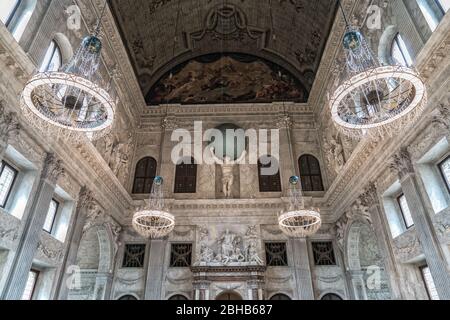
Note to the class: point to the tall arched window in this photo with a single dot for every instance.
(52, 60)
(186, 176)
(400, 53)
(144, 176)
(269, 174)
(310, 173)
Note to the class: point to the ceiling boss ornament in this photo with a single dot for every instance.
(298, 222)
(153, 221)
(74, 101)
(374, 100)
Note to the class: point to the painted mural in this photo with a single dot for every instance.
(230, 78)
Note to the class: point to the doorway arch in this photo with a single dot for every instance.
(229, 296)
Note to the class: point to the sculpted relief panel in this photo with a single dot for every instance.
(228, 246)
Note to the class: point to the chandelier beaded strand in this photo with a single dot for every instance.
(75, 101)
(298, 222)
(374, 100)
(153, 221)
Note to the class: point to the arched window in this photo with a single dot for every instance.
(178, 297)
(144, 176)
(310, 173)
(52, 60)
(186, 176)
(331, 296)
(16, 14)
(269, 174)
(280, 296)
(127, 297)
(400, 53)
(7, 10)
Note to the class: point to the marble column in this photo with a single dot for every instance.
(423, 223)
(302, 269)
(358, 285)
(380, 225)
(202, 290)
(155, 270)
(29, 240)
(85, 205)
(9, 126)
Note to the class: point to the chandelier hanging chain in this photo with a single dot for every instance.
(99, 20)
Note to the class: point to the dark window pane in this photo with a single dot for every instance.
(268, 183)
(134, 256)
(186, 176)
(276, 255)
(180, 256)
(144, 176)
(323, 253)
(310, 174)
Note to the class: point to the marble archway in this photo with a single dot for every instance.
(229, 295)
(95, 262)
(367, 274)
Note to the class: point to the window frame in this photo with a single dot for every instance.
(310, 175)
(123, 265)
(400, 43)
(172, 246)
(54, 216)
(402, 213)
(425, 283)
(285, 254)
(33, 291)
(56, 48)
(439, 165)
(268, 178)
(182, 178)
(4, 164)
(317, 256)
(145, 178)
(12, 14)
(441, 7)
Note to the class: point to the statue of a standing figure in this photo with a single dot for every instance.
(227, 171)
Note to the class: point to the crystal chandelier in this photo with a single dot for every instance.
(152, 221)
(74, 101)
(374, 100)
(298, 222)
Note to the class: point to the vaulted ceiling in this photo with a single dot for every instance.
(174, 43)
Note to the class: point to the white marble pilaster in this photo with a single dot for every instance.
(423, 223)
(302, 269)
(32, 230)
(370, 199)
(85, 205)
(155, 271)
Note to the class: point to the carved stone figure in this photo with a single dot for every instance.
(227, 171)
(338, 153)
(252, 254)
(231, 249)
